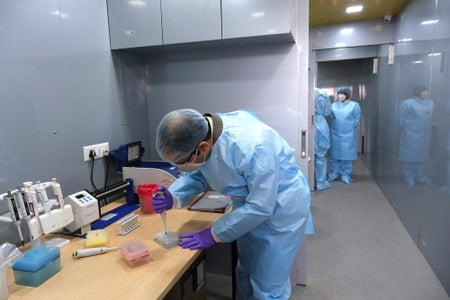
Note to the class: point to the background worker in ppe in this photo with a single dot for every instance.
(415, 118)
(238, 155)
(345, 116)
(322, 138)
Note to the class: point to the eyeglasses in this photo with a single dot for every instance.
(188, 159)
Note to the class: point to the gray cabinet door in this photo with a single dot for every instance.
(134, 23)
(249, 18)
(190, 20)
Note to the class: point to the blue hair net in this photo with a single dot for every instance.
(179, 132)
(345, 90)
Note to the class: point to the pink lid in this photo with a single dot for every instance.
(133, 250)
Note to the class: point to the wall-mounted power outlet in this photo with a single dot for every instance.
(101, 150)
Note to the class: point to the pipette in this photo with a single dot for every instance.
(166, 238)
(58, 193)
(43, 195)
(163, 216)
(34, 224)
(164, 213)
(15, 217)
(22, 203)
(92, 251)
(31, 199)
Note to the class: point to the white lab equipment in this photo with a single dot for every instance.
(44, 218)
(92, 251)
(128, 224)
(85, 209)
(142, 175)
(53, 219)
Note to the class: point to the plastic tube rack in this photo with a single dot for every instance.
(128, 224)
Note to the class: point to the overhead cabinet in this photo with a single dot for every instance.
(185, 21)
(134, 23)
(146, 23)
(252, 18)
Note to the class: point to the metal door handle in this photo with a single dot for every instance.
(303, 146)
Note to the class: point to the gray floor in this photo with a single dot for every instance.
(360, 250)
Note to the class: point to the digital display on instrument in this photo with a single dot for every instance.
(79, 196)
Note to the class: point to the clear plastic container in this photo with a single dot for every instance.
(37, 265)
(97, 238)
(8, 255)
(134, 253)
(145, 193)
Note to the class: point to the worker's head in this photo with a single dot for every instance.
(319, 93)
(345, 92)
(420, 91)
(179, 133)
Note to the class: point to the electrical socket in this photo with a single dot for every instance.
(101, 150)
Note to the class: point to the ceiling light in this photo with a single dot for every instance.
(417, 62)
(58, 14)
(346, 30)
(341, 44)
(258, 14)
(354, 9)
(429, 22)
(137, 3)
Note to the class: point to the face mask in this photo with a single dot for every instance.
(424, 94)
(341, 97)
(189, 166)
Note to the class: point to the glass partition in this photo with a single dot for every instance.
(411, 154)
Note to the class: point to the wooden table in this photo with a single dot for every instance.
(108, 276)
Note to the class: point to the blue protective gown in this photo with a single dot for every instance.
(446, 188)
(322, 138)
(345, 118)
(415, 117)
(271, 202)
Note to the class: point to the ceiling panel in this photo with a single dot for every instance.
(333, 11)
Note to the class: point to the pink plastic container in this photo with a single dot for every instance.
(145, 194)
(134, 253)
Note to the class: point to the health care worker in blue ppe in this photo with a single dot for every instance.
(415, 118)
(238, 155)
(345, 116)
(322, 138)
(446, 188)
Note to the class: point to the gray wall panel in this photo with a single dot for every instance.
(62, 89)
(260, 78)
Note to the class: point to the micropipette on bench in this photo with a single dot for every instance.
(92, 251)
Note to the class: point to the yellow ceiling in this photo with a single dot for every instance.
(333, 11)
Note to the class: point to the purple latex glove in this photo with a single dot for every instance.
(162, 200)
(197, 240)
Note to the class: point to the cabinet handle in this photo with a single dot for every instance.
(303, 146)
